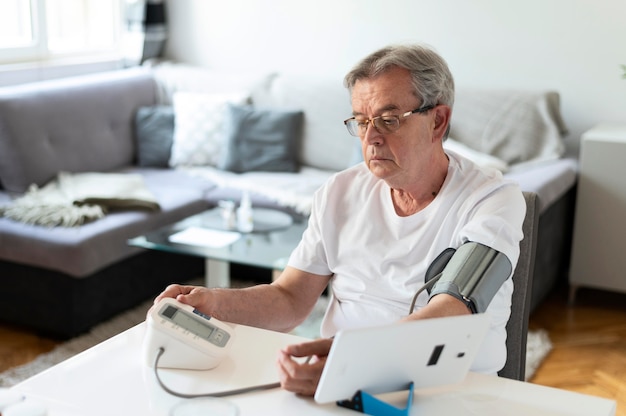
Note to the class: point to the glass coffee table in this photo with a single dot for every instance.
(268, 246)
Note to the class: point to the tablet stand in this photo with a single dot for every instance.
(366, 403)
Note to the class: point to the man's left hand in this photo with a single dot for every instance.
(300, 365)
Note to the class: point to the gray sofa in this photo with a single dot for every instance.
(63, 280)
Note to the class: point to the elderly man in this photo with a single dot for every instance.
(376, 227)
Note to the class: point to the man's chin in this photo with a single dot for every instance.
(379, 167)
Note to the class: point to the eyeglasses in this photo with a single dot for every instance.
(383, 124)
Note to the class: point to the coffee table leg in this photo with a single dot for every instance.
(217, 273)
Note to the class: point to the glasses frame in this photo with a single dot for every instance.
(382, 129)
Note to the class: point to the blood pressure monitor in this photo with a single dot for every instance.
(190, 339)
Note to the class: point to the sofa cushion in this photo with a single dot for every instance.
(261, 140)
(81, 251)
(514, 126)
(154, 131)
(550, 181)
(198, 129)
(53, 126)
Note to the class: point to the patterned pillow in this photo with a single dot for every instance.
(198, 127)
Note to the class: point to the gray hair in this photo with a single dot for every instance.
(432, 81)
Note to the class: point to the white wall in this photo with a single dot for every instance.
(573, 46)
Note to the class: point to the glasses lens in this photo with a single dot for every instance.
(386, 124)
(353, 127)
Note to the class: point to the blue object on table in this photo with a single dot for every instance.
(366, 403)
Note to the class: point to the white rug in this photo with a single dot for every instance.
(539, 344)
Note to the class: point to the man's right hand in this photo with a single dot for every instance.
(196, 296)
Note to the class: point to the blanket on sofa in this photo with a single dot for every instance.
(74, 199)
(295, 190)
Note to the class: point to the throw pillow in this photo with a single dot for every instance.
(199, 127)
(261, 140)
(154, 131)
(514, 126)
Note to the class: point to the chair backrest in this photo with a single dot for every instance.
(517, 327)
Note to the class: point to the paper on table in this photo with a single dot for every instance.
(205, 237)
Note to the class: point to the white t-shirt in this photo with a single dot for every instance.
(379, 259)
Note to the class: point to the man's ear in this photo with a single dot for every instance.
(442, 121)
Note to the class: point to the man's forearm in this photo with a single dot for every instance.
(263, 306)
(440, 306)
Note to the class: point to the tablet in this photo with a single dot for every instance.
(382, 359)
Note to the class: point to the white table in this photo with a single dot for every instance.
(112, 379)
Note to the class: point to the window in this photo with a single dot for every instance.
(43, 29)
(15, 24)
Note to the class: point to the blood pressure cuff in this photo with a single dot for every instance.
(473, 274)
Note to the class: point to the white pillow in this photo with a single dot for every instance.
(481, 159)
(198, 127)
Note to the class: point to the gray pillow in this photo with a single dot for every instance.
(154, 130)
(514, 126)
(261, 140)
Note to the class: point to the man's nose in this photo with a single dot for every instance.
(372, 135)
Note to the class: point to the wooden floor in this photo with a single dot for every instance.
(18, 347)
(589, 344)
(588, 356)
